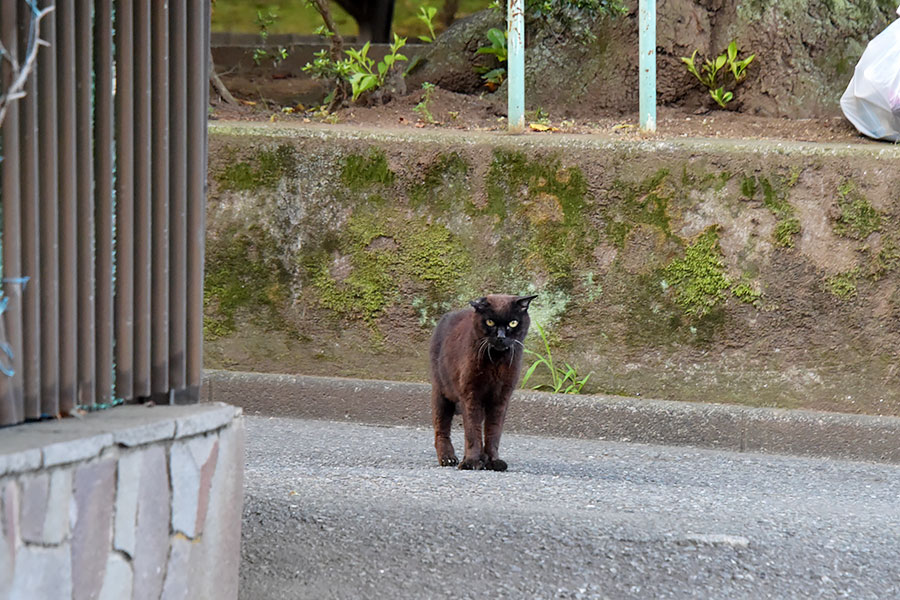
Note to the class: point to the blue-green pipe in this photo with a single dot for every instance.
(515, 65)
(647, 64)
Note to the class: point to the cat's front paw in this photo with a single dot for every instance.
(471, 464)
(449, 460)
(495, 465)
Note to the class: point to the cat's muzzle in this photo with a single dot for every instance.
(501, 344)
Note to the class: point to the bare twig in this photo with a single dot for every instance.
(20, 72)
(337, 50)
(337, 42)
(218, 84)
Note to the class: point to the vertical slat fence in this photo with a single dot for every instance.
(178, 99)
(142, 195)
(67, 201)
(123, 303)
(198, 90)
(12, 391)
(31, 234)
(102, 186)
(48, 273)
(103, 196)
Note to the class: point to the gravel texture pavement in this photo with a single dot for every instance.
(347, 511)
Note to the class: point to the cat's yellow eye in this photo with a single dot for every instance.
(489, 323)
(514, 324)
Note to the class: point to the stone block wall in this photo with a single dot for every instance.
(132, 503)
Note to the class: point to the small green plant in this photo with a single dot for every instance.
(541, 116)
(563, 381)
(367, 75)
(358, 69)
(265, 20)
(422, 106)
(323, 67)
(708, 73)
(494, 77)
(426, 15)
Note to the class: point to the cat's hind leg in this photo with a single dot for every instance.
(442, 411)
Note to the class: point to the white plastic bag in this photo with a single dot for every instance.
(872, 100)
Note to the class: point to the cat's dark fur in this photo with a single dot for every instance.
(476, 357)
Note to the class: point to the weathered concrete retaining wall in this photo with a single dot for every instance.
(131, 503)
(758, 272)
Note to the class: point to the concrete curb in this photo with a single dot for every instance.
(725, 427)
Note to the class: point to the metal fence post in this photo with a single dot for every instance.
(516, 64)
(647, 64)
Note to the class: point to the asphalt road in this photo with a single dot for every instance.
(349, 511)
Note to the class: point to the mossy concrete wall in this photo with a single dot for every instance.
(755, 272)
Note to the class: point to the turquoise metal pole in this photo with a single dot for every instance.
(515, 64)
(647, 64)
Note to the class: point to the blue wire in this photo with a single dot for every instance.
(5, 348)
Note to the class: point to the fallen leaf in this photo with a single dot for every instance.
(248, 102)
(272, 118)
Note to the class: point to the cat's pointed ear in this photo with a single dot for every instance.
(480, 305)
(522, 302)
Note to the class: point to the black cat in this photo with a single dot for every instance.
(476, 358)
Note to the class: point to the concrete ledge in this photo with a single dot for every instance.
(50, 443)
(727, 427)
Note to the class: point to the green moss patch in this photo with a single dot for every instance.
(843, 285)
(698, 280)
(242, 273)
(744, 291)
(380, 255)
(774, 197)
(444, 184)
(858, 218)
(704, 181)
(264, 170)
(886, 260)
(363, 172)
(430, 253)
(646, 202)
(548, 204)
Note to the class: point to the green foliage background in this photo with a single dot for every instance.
(295, 17)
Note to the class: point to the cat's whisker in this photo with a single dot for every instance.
(482, 348)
